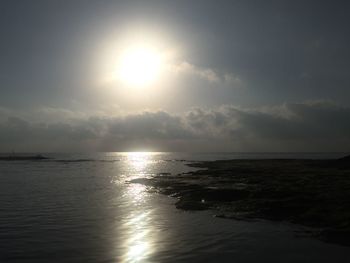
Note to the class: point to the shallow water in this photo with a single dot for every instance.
(81, 209)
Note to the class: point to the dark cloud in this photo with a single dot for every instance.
(310, 126)
(150, 125)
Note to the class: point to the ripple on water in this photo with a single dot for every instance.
(86, 212)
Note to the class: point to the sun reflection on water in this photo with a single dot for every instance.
(139, 161)
(139, 243)
(137, 226)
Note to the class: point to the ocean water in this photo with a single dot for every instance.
(81, 208)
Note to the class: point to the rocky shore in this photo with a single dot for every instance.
(313, 193)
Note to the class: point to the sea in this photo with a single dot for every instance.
(83, 208)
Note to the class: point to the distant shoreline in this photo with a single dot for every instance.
(23, 158)
(313, 193)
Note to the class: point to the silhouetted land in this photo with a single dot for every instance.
(23, 158)
(314, 193)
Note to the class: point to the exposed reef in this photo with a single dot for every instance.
(314, 193)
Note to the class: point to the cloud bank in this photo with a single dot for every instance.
(308, 126)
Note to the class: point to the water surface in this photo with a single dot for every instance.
(81, 208)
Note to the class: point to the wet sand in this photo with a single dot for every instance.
(313, 193)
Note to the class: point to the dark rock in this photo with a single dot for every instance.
(313, 193)
(187, 204)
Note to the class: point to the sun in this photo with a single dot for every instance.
(139, 66)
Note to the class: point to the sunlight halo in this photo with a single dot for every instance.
(139, 66)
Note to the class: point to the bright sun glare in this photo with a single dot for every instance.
(139, 66)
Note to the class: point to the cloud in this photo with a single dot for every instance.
(187, 68)
(150, 125)
(308, 126)
(207, 74)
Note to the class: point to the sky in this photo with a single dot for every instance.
(240, 76)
